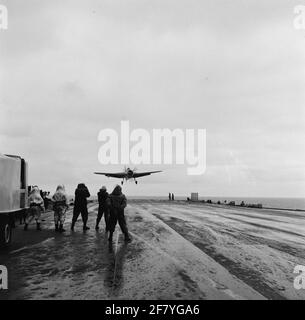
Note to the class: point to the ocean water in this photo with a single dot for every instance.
(280, 203)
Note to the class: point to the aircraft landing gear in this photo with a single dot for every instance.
(136, 181)
(122, 182)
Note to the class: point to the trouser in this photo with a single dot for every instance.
(23, 215)
(118, 216)
(59, 215)
(33, 213)
(103, 211)
(80, 210)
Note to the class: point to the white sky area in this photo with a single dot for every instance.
(235, 68)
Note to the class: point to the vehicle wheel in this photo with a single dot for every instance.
(5, 231)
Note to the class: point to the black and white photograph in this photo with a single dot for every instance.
(152, 150)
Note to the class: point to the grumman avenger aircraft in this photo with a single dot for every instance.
(127, 174)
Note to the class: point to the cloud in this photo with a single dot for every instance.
(72, 68)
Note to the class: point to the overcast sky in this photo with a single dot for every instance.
(236, 68)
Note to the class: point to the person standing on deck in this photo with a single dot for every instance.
(117, 203)
(36, 206)
(103, 208)
(60, 206)
(80, 206)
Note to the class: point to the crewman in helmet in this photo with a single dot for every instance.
(60, 206)
(103, 208)
(36, 206)
(80, 205)
(118, 202)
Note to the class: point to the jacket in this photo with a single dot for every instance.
(102, 198)
(117, 200)
(81, 195)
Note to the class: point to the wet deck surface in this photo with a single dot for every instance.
(179, 251)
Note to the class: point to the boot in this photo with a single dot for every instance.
(127, 238)
(56, 227)
(25, 227)
(85, 228)
(72, 226)
(38, 228)
(61, 228)
(110, 237)
(98, 220)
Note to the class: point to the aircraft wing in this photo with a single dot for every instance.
(119, 175)
(142, 174)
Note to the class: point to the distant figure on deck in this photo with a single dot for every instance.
(173, 197)
(60, 206)
(103, 208)
(117, 203)
(80, 206)
(169, 196)
(36, 206)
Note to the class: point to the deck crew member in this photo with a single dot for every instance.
(103, 208)
(36, 206)
(60, 206)
(80, 206)
(117, 202)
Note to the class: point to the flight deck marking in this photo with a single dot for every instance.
(115, 263)
(32, 246)
(161, 251)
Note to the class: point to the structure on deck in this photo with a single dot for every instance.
(194, 196)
